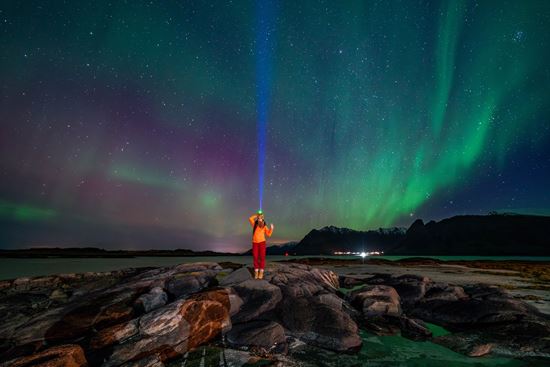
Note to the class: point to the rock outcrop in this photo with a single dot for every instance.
(483, 319)
(152, 316)
(266, 334)
(101, 308)
(377, 300)
(70, 355)
(311, 310)
(258, 296)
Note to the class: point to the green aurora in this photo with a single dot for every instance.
(144, 114)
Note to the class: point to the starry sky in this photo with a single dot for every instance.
(156, 124)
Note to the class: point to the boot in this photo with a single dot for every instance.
(256, 274)
(261, 274)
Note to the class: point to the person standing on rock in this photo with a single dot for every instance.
(259, 231)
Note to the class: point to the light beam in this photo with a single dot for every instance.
(264, 46)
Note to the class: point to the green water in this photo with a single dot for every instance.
(437, 330)
(398, 351)
(349, 290)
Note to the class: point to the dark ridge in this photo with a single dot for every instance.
(92, 252)
(480, 235)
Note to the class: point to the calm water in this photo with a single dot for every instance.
(16, 268)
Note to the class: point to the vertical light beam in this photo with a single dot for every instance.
(264, 46)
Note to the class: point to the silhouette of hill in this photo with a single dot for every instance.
(490, 235)
(329, 239)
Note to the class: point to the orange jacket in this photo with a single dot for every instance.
(259, 233)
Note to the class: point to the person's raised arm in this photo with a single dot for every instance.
(252, 219)
(269, 231)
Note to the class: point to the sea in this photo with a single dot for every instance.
(11, 268)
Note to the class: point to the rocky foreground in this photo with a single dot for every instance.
(159, 316)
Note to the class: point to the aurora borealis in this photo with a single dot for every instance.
(134, 124)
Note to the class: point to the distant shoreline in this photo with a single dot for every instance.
(92, 252)
(312, 259)
(537, 268)
(538, 271)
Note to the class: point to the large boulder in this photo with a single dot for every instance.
(182, 284)
(350, 282)
(411, 288)
(156, 298)
(37, 312)
(114, 334)
(481, 305)
(34, 312)
(302, 280)
(414, 329)
(258, 297)
(77, 319)
(266, 334)
(310, 309)
(178, 280)
(321, 320)
(163, 331)
(444, 292)
(237, 276)
(376, 300)
(524, 339)
(379, 306)
(172, 330)
(70, 355)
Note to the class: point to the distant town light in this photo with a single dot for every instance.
(362, 254)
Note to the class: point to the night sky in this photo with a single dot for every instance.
(150, 124)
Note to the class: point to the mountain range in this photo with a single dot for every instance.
(487, 235)
(491, 235)
(329, 239)
(505, 234)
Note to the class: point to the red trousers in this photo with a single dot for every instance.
(258, 252)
